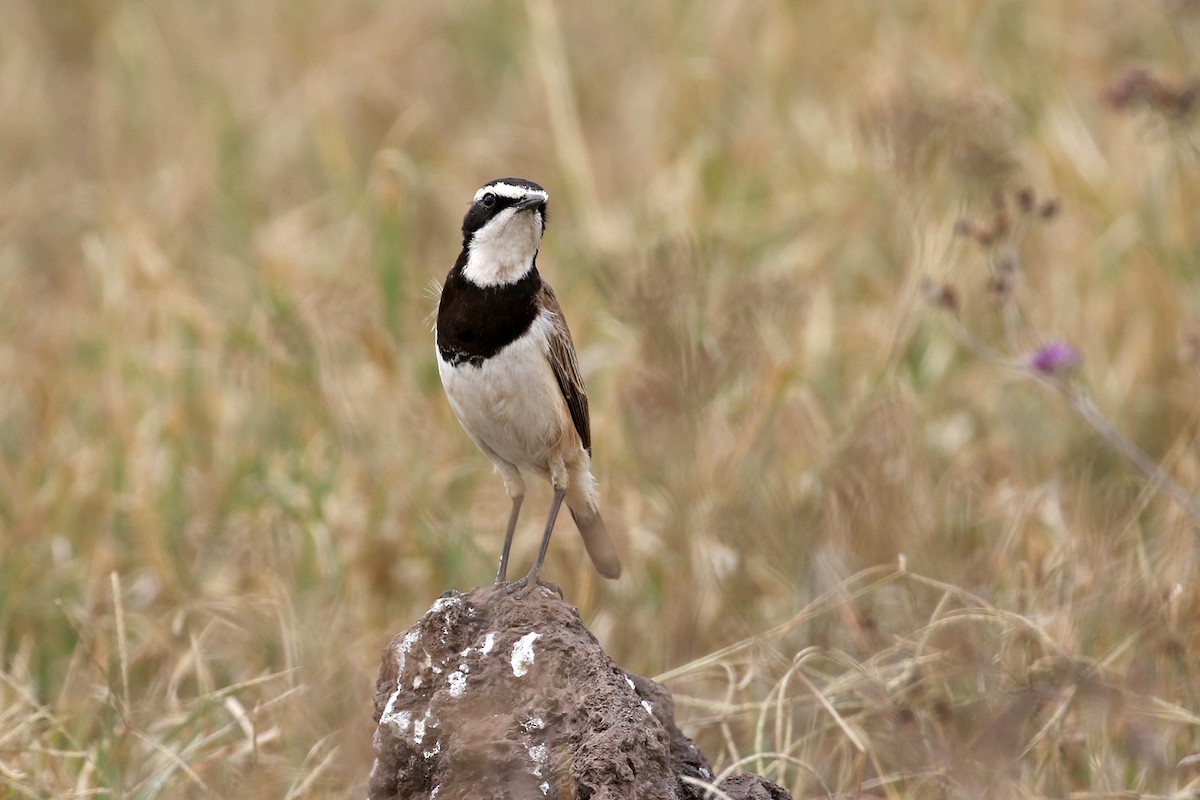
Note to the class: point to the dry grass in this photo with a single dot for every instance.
(228, 474)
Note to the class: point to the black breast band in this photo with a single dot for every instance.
(476, 322)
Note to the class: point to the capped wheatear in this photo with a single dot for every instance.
(508, 366)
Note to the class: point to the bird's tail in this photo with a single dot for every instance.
(598, 543)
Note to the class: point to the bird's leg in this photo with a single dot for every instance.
(555, 504)
(524, 585)
(514, 484)
(508, 537)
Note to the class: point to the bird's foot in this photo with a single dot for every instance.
(521, 588)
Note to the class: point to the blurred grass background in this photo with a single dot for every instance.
(228, 474)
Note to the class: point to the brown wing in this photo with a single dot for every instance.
(566, 367)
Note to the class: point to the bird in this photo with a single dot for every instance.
(509, 369)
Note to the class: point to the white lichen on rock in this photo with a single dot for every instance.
(419, 731)
(522, 654)
(420, 726)
(441, 606)
(538, 755)
(404, 649)
(442, 603)
(458, 681)
(400, 720)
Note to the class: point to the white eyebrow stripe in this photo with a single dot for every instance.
(510, 191)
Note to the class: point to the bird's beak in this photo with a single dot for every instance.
(530, 202)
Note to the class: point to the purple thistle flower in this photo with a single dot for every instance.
(1055, 359)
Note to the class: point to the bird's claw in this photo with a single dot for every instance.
(522, 587)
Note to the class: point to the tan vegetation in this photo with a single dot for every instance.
(869, 561)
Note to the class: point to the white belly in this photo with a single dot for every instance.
(511, 405)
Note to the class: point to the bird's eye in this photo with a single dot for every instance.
(488, 200)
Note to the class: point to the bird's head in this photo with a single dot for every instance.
(503, 230)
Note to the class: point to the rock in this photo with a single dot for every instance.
(491, 695)
(753, 787)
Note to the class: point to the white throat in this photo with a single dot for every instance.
(502, 251)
